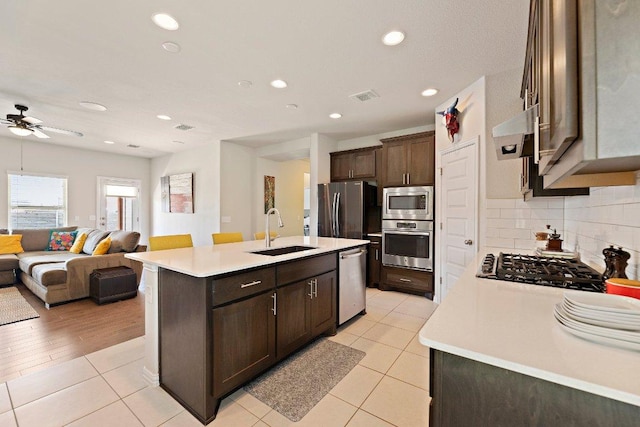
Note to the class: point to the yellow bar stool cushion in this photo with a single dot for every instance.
(227, 238)
(260, 235)
(174, 241)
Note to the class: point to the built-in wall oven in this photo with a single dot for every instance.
(408, 244)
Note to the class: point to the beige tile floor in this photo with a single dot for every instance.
(390, 386)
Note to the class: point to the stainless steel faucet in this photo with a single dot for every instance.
(267, 233)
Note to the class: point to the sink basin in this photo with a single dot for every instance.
(283, 250)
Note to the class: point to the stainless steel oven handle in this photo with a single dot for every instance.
(412, 233)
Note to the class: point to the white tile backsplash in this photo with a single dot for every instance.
(588, 224)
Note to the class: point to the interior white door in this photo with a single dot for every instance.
(459, 201)
(118, 204)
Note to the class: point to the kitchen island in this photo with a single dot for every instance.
(217, 316)
(499, 358)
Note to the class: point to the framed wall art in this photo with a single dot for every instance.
(177, 193)
(269, 192)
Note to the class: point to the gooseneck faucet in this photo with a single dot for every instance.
(267, 233)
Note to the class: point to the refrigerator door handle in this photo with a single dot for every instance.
(337, 212)
(333, 215)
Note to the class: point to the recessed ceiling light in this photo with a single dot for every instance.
(429, 92)
(109, 142)
(279, 84)
(165, 21)
(393, 38)
(163, 117)
(171, 47)
(245, 84)
(93, 106)
(335, 115)
(292, 106)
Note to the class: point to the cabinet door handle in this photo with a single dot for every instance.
(315, 287)
(310, 294)
(402, 279)
(246, 285)
(408, 178)
(404, 177)
(376, 255)
(275, 303)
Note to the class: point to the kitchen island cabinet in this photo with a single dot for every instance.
(223, 313)
(499, 357)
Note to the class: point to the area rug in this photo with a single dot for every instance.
(13, 307)
(298, 383)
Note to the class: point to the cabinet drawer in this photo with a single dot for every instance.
(408, 279)
(304, 268)
(241, 285)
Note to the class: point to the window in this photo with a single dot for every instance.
(37, 201)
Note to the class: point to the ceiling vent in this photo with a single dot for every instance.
(133, 146)
(183, 127)
(364, 96)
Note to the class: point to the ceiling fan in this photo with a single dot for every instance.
(22, 125)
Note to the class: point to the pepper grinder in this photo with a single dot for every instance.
(616, 263)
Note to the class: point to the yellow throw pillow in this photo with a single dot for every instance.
(10, 244)
(102, 247)
(78, 244)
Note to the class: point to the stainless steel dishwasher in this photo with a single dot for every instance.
(352, 283)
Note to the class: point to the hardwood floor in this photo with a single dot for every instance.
(65, 332)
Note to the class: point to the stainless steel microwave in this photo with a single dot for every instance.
(414, 203)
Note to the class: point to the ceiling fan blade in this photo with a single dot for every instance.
(31, 120)
(6, 122)
(62, 131)
(37, 132)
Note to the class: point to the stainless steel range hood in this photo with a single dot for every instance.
(514, 137)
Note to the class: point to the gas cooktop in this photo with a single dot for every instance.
(541, 270)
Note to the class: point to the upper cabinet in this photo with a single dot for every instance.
(582, 71)
(408, 160)
(354, 165)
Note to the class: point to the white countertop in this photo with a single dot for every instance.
(512, 326)
(204, 261)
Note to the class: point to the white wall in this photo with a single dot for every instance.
(320, 170)
(238, 189)
(289, 201)
(81, 167)
(204, 163)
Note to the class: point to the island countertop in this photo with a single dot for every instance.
(512, 326)
(205, 261)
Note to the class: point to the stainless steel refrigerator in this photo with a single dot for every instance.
(347, 209)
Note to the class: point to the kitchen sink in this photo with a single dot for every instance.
(283, 250)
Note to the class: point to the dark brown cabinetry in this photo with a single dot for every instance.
(217, 333)
(354, 165)
(469, 393)
(239, 360)
(408, 160)
(407, 280)
(375, 261)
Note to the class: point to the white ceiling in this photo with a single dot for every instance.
(56, 54)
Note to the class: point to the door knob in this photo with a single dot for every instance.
(468, 242)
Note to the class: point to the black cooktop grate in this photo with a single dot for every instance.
(542, 270)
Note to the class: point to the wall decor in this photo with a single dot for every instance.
(450, 116)
(177, 193)
(269, 192)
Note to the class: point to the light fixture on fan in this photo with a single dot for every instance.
(21, 125)
(20, 130)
